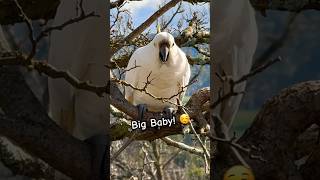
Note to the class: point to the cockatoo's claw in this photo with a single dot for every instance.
(168, 112)
(142, 108)
(99, 147)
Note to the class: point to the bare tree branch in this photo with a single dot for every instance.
(157, 156)
(24, 166)
(240, 80)
(277, 44)
(49, 70)
(27, 123)
(145, 24)
(178, 11)
(182, 146)
(276, 128)
(44, 33)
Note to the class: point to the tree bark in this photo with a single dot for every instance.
(27, 124)
(275, 130)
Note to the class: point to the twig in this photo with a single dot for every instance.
(117, 3)
(197, 136)
(122, 148)
(278, 43)
(201, 143)
(44, 33)
(242, 79)
(126, 70)
(157, 163)
(206, 164)
(205, 53)
(144, 89)
(170, 159)
(257, 70)
(151, 171)
(51, 71)
(232, 142)
(30, 29)
(117, 16)
(173, 16)
(182, 146)
(145, 24)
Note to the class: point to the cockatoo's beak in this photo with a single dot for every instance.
(163, 53)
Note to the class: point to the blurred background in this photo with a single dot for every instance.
(294, 37)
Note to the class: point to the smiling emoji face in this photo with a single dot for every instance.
(184, 119)
(238, 173)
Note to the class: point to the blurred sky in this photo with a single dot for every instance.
(142, 10)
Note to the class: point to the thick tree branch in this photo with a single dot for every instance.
(27, 123)
(182, 146)
(276, 128)
(121, 128)
(24, 165)
(145, 24)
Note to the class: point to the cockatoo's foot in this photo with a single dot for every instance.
(142, 108)
(99, 147)
(168, 112)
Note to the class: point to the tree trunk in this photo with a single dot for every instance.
(26, 123)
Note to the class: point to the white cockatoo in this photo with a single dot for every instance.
(79, 48)
(168, 68)
(234, 43)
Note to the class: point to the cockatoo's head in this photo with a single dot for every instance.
(163, 42)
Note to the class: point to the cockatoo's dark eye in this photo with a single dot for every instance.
(172, 44)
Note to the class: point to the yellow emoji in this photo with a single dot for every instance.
(238, 173)
(184, 119)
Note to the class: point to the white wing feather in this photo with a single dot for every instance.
(234, 45)
(132, 73)
(81, 49)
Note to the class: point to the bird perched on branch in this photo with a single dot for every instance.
(164, 67)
